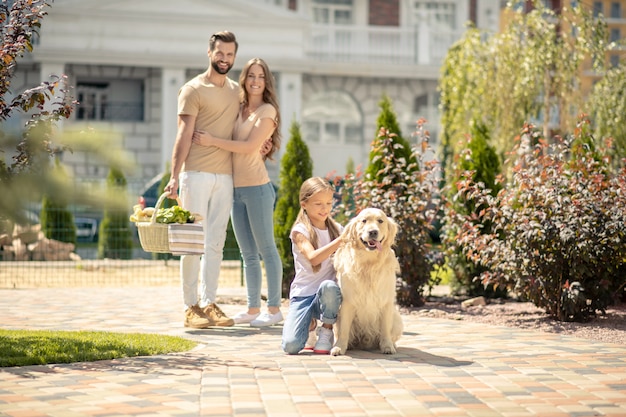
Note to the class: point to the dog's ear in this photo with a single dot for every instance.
(349, 234)
(393, 230)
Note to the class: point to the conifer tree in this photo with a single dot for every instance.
(387, 122)
(408, 194)
(484, 161)
(115, 235)
(295, 167)
(57, 222)
(481, 160)
(350, 166)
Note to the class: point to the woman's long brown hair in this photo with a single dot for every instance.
(269, 96)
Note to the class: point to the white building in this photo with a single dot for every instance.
(333, 60)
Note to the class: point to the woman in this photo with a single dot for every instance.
(256, 137)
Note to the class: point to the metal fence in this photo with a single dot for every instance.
(104, 273)
(78, 265)
(29, 258)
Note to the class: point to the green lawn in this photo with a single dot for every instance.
(41, 347)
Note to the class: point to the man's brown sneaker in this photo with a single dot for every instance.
(195, 318)
(217, 316)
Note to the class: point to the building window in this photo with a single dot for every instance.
(332, 12)
(110, 100)
(92, 99)
(425, 106)
(332, 132)
(280, 3)
(518, 5)
(311, 131)
(597, 8)
(420, 105)
(614, 60)
(332, 118)
(442, 15)
(353, 134)
(615, 35)
(616, 10)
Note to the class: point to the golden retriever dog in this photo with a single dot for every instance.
(366, 268)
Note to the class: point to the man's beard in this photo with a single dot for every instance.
(219, 70)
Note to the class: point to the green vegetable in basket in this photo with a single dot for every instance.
(175, 214)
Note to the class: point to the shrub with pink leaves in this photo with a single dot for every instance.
(558, 234)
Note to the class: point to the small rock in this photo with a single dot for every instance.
(477, 301)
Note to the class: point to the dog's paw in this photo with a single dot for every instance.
(388, 348)
(336, 351)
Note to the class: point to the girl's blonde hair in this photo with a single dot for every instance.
(308, 189)
(269, 96)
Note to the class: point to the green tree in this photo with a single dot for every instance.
(57, 222)
(528, 71)
(350, 166)
(27, 177)
(461, 93)
(608, 103)
(296, 166)
(401, 148)
(115, 235)
(483, 162)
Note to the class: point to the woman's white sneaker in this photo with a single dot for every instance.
(267, 319)
(244, 317)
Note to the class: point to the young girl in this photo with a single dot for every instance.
(314, 293)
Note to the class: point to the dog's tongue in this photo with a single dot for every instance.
(375, 243)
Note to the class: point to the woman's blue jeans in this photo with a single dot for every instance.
(324, 306)
(253, 224)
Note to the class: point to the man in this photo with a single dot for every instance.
(203, 175)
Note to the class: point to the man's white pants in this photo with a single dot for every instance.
(211, 196)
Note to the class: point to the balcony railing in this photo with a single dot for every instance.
(384, 45)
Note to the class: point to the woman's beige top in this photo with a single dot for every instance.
(249, 168)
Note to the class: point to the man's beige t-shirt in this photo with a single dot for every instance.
(215, 109)
(249, 168)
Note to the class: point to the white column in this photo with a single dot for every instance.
(290, 101)
(423, 40)
(171, 81)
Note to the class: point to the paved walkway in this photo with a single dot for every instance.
(442, 368)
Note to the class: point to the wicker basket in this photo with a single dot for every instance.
(153, 235)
